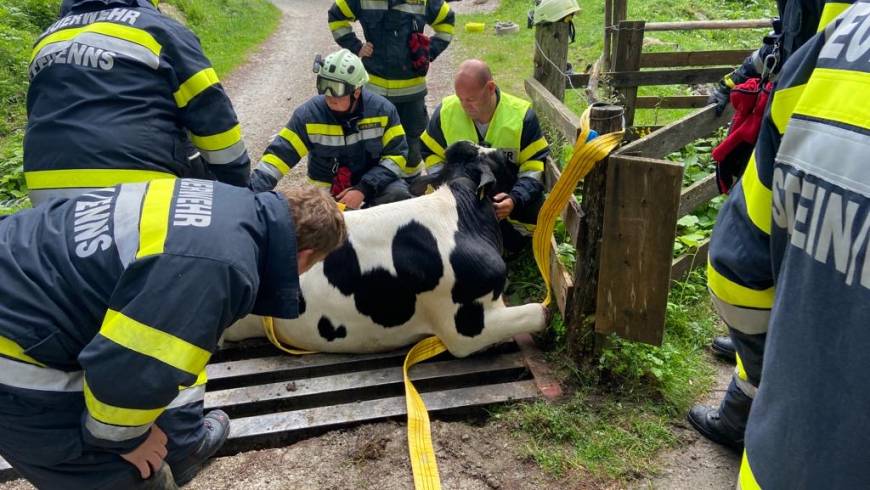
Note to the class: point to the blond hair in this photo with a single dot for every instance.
(319, 223)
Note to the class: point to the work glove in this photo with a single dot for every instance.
(418, 44)
(720, 96)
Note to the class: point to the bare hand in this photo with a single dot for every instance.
(503, 205)
(366, 50)
(149, 455)
(351, 198)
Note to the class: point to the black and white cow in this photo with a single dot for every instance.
(412, 269)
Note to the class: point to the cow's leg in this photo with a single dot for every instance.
(500, 324)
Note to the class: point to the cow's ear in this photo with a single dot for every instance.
(487, 180)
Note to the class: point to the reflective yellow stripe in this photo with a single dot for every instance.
(11, 349)
(110, 414)
(532, 149)
(388, 84)
(783, 105)
(399, 160)
(325, 129)
(741, 371)
(201, 379)
(127, 33)
(149, 341)
(530, 227)
(218, 141)
(276, 162)
(342, 5)
(442, 14)
(735, 294)
(319, 183)
(758, 198)
(746, 480)
(532, 166)
(830, 12)
(338, 24)
(837, 95)
(154, 221)
(433, 160)
(65, 179)
(381, 120)
(295, 140)
(194, 85)
(432, 144)
(445, 28)
(391, 133)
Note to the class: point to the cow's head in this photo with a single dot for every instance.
(486, 171)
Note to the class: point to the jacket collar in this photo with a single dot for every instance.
(278, 294)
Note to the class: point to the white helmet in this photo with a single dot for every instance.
(340, 73)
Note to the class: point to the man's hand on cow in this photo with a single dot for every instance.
(351, 198)
(366, 50)
(503, 205)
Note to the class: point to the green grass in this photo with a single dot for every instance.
(228, 29)
(510, 57)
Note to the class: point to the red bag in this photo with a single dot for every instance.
(341, 181)
(749, 100)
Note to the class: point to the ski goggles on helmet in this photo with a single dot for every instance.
(334, 88)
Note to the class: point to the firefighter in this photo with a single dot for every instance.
(396, 53)
(114, 301)
(789, 259)
(744, 345)
(120, 93)
(353, 138)
(480, 112)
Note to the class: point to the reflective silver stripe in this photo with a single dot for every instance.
(39, 196)
(745, 386)
(418, 9)
(750, 321)
(22, 375)
(396, 92)
(128, 207)
(227, 155)
(365, 134)
(445, 36)
(435, 169)
(392, 167)
(807, 146)
(123, 47)
(110, 432)
(47, 50)
(188, 396)
(327, 140)
(269, 169)
(374, 4)
(341, 32)
(535, 174)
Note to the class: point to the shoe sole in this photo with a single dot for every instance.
(725, 355)
(713, 437)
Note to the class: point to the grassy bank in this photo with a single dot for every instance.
(228, 29)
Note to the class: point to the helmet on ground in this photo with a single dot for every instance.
(554, 10)
(340, 73)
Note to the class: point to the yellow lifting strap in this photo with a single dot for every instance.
(586, 155)
(269, 328)
(423, 463)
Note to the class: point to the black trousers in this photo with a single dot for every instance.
(415, 118)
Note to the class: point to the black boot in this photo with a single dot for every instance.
(217, 428)
(723, 348)
(706, 420)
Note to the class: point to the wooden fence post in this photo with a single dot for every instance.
(580, 318)
(551, 56)
(626, 58)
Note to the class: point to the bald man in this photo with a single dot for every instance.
(482, 113)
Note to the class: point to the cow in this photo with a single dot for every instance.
(427, 266)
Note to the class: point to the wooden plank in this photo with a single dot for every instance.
(708, 24)
(579, 80)
(637, 245)
(551, 56)
(560, 281)
(678, 134)
(696, 194)
(682, 76)
(572, 214)
(629, 43)
(608, 32)
(682, 265)
(729, 57)
(276, 429)
(534, 359)
(565, 121)
(636, 132)
(358, 385)
(672, 102)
